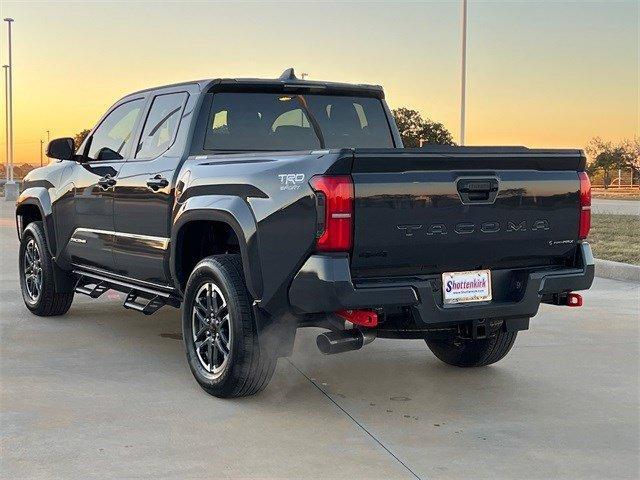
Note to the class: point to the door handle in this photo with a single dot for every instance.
(107, 182)
(157, 182)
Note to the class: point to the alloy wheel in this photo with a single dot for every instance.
(32, 265)
(211, 327)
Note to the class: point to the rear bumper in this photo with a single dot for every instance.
(324, 284)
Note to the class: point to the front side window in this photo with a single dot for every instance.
(268, 121)
(161, 125)
(113, 138)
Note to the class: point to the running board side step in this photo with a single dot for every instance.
(141, 299)
(147, 306)
(93, 288)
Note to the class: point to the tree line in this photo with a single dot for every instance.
(416, 131)
(608, 158)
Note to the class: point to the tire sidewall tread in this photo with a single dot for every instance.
(474, 353)
(249, 369)
(49, 303)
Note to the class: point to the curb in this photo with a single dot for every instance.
(617, 270)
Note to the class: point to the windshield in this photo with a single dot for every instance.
(271, 121)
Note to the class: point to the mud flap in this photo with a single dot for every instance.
(276, 334)
(516, 324)
(63, 280)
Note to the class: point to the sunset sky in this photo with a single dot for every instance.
(540, 73)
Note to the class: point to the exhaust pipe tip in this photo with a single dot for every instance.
(330, 343)
(324, 343)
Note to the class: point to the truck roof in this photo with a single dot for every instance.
(287, 81)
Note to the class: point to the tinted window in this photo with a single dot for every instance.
(113, 138)
(257, 121)
(266, 121)
(351, 121)
(161, 125)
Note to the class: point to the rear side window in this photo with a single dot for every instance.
(161, 125)
(271, 121)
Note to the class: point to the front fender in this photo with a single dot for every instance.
(39, 196)
(233, 211)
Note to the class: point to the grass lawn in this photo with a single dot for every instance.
(616, 237)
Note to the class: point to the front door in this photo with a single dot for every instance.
(106, 150)
(144, 194)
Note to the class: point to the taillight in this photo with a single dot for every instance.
(585, 205)
(334, 202)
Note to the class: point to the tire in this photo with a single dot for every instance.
(37, 281)
(246, 369)
(473, 353)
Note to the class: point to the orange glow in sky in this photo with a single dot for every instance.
(540, 73)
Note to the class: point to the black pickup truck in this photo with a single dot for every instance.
(263, 206)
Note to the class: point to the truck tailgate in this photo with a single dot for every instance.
(463, 208)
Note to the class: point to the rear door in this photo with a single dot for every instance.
(463, 209)
(107, 148)
(144, 193)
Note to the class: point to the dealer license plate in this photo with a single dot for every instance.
(465, 287)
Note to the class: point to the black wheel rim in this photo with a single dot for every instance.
(32, 266)
(211, 326)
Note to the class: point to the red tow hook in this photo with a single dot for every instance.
(364, 318)
(574, 300)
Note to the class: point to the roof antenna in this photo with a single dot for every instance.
(288, 74)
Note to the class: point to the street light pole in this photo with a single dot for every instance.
(6, 120)
(48, 137)
(10, 188)
(464, 71)
(10, 86)
(41, 148)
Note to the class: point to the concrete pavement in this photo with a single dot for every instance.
(105, 393)
(615, 207)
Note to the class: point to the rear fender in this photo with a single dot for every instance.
(276, 333)
(233, 211)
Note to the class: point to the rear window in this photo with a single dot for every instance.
(271, 121)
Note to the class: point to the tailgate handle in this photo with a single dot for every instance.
(478, 190)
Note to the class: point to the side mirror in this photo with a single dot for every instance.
(61, 148)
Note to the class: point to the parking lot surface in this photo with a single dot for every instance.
(104, 392)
